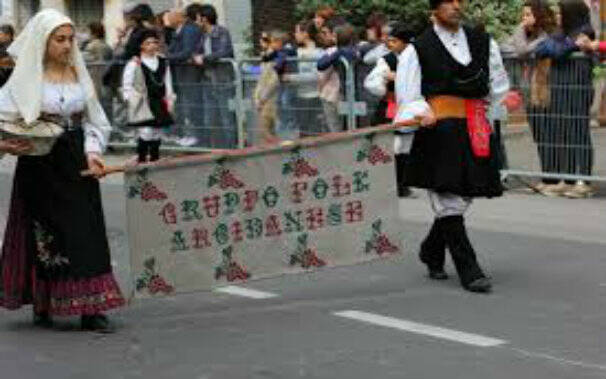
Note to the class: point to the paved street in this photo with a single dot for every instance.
(545, 319)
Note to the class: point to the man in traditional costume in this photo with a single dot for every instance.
(446, 79)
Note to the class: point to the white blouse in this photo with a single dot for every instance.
(411, 102)
(63, 99)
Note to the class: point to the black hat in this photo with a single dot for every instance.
(144, 34)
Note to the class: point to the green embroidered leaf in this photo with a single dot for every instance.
(150, 263)
(361, 155)
(376, 226)
(212, 180)
(286, 168)
(369, 247)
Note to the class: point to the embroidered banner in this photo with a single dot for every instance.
(210, 220)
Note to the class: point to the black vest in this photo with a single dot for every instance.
(156, 91)
(442, 75)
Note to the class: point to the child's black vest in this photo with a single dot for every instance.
(156, 92)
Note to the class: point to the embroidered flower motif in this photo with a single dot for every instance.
(224, 178)
(230, 268)
(44, 241)
(145, 188)
(374, 153)
(379, 242)
(152, 281)
(298, 166)
(305, 256)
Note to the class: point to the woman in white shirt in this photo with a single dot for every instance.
(55, 253)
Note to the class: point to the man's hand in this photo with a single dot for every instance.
(512, 101)
(427, 119)
(16, 146)
(198, 60)
(390, 76)
(96, 166)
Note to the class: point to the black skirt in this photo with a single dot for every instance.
(441, 160)
(55, 253)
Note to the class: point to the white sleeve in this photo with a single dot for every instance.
(128, 79)
(499, 81)
(376, 82)
(374, 54)
(96, 128)
(411, 102)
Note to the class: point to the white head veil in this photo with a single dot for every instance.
(28, 50)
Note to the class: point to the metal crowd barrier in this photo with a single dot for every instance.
(553, 136)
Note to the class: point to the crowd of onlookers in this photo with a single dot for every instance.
(299, 83)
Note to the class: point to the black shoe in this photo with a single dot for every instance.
(481, 285)
(438, 275)
(97, 323)
(43, 319)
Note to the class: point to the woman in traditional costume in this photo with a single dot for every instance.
(55, 253)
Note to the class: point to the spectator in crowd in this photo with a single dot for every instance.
(377, 30)
(187, 76)
(538, 21)
(147, 78)
(137, 17)
(7, 34)
(215, 45)
(165, 22)
(341, 37)
(97, 53)
(322, 16)
(381, 83)
(142, 18)
(97, 50)
(570, 82)
(266, 92)
(307, 93)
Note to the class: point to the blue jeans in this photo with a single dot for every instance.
(219, 121)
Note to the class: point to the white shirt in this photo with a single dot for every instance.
(411, 102)
(128, 76)
(376, 81)
(377, 52)
(62, 99)
(128, 80)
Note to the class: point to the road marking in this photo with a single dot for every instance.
(245, 292)
(428, 330)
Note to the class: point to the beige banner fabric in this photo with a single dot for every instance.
(224, 218)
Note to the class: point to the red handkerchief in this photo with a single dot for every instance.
(478, 127)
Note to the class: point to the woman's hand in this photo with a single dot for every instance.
(16, 146)
(96, 166)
